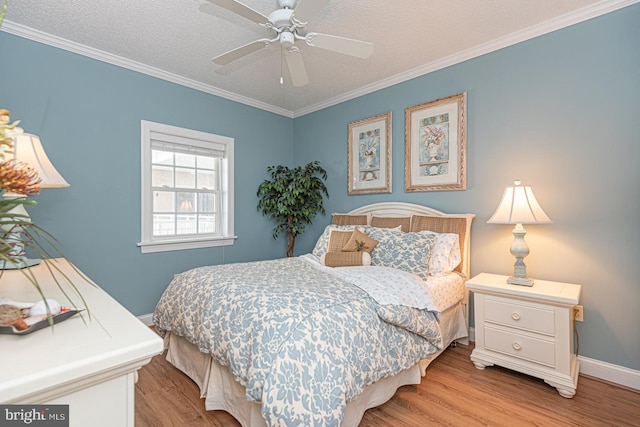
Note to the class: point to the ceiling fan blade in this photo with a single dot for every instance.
(307, 9)
(238, 53)
(238, 8)
(296, 67)
(343, 45)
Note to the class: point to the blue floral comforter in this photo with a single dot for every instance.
(302, 340)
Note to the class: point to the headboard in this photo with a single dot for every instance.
(402, 210)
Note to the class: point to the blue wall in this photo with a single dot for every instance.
(88, 114)
(559, 112)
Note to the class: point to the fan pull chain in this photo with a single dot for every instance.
(281, 65)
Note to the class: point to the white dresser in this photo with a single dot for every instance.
(527, 329)
(87, 363)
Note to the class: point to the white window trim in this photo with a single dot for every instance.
(148, 243)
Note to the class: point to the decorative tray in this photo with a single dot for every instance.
(65, 313)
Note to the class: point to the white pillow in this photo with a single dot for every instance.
(446, 253)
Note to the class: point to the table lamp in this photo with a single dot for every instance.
(27, 149)
(519, 206)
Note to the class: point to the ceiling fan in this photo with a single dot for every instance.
(288, 24)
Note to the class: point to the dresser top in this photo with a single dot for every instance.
(83, 346)
(542, 290)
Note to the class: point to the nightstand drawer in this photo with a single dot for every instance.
(524, 347)
(530, 317)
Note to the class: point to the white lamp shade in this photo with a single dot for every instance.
(519, 206)
(28, 149)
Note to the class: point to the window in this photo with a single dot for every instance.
(187, 189)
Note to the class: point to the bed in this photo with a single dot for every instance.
(296, 342)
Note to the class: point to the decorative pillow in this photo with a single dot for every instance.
(446, 253)
(338, 238)
(345, 259)
(391, 222)
(359, 242)
(376, 232)
(322, 245)
(438, 224)
(348, 219)
(405, 251)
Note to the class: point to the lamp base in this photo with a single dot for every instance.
(19, 264)
(519, 249)
(522, 281)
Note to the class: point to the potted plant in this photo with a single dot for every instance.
(293, 197)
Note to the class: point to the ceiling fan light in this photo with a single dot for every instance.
(287, 39)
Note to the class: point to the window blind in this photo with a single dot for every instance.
(174, 144)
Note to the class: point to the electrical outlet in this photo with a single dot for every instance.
(578, 313)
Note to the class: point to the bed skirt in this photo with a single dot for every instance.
(222, 392)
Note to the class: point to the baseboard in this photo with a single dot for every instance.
(609, 372)
(594, 368)
(602, 370)
(147, 319)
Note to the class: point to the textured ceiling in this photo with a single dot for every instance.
(173, 39)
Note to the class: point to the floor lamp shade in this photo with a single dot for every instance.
(519, 206)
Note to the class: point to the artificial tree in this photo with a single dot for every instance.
(293, 197)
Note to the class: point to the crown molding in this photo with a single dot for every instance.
(581, 15)
(100, 55)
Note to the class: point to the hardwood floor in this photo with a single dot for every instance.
(454, 393)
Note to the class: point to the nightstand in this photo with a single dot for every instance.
(527, 329)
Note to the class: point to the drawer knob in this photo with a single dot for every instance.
(516, 345)
(515, 316)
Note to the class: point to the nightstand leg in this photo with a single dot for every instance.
(479, 363)
(563, 390)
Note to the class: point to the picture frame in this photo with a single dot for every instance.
(369, 155)
(436, 145)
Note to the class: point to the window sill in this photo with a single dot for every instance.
(177, 245)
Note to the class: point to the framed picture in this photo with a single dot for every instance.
(436, 145)
(369, 155)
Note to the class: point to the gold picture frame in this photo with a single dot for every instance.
(436, 145)
(369, 155)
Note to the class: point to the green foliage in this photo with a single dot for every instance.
(293, 197)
